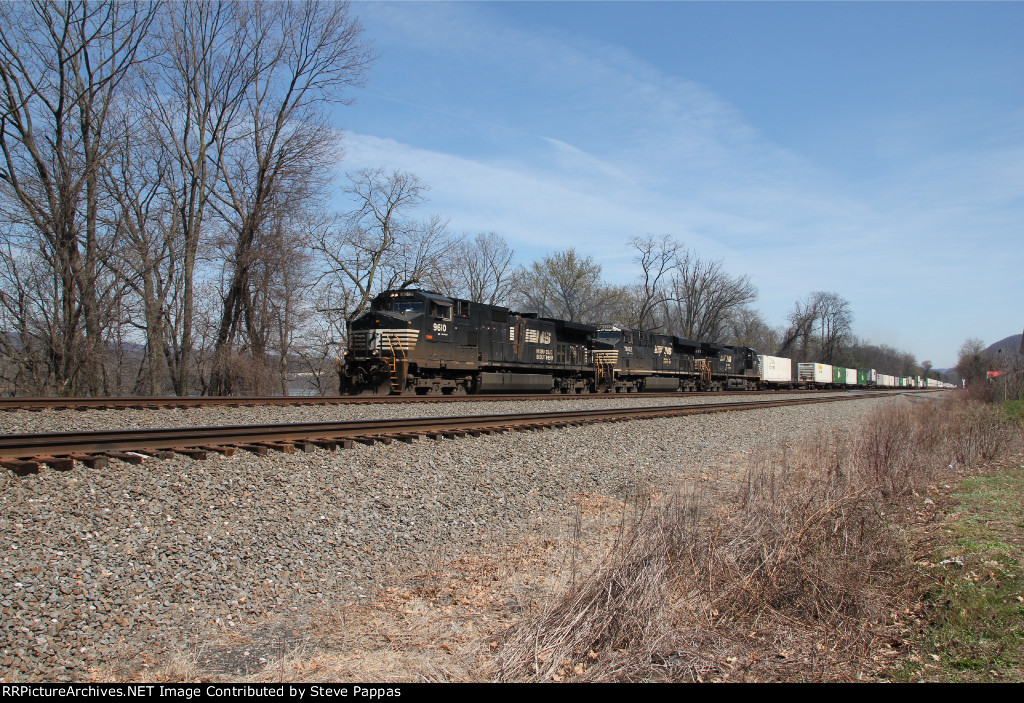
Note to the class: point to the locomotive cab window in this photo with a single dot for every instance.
(463, 308)
(443, 312)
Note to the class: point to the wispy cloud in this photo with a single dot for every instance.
(557, 141)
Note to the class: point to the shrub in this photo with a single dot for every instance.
(805, 547)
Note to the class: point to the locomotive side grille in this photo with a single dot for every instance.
(606, 356)
(404, 340)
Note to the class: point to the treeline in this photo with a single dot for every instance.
(165, 227)
(162, 168)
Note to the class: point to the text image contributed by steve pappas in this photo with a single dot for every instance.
(190, 692)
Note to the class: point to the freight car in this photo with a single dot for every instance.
(418, 342)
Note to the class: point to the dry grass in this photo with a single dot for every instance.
(436, 625)
(793, 577)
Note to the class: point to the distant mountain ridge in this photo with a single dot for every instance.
(1008, 345)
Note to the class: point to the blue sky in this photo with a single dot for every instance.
(872, 149)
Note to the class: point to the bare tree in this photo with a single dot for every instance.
(703, 297)
(134, 179)
(971, 362)
(834, 320)
(379, 245)
(61, 72)
(319, 342)
(193, 93)
(820, 327)
(483, 270)
(659, 259)
(746, 328)
(796, 340)
(282, 277)
(304, 55)
(566, 286)
(27, 329)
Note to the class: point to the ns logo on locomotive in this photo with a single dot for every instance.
(418, 342)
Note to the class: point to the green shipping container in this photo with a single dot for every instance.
(839, 375)
(865, 377)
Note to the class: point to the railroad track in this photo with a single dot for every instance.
(25, 453)
(162, 402)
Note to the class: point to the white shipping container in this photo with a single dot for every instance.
(851, 377)
(776, 369)
(818, 373)
(823, 373)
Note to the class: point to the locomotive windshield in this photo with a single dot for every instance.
(407, 306)
(610, 335)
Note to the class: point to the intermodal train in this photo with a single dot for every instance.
(415, 342)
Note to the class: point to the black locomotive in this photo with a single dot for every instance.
(418, 342)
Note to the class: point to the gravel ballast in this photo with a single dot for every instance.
(145, 561)
(20, 422)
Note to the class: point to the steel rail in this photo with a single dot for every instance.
(158, 402)
(62, 444)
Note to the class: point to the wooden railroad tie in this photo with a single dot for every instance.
(20, 467)
(223, 451)
(191, 453)
(156, 453)
(128, 457)
(57, 463)
(406, 437)
(93, 461)
(283, 447)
